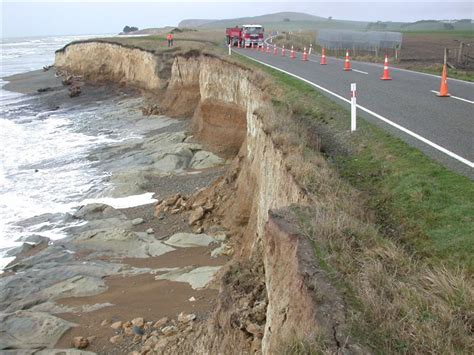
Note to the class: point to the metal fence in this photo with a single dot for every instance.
(371, 41)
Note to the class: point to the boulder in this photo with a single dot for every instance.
(196, 215)
(116, 325)
(80, 342)
(198, 277)
(160, 322)
(138, 322)
(137, 221)
(186, 318)
(116, 339)
(188, 240)
(203, 160)
(169, 330)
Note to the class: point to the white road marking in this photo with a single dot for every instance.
(380, 117)
(360, 71)
(455, 97)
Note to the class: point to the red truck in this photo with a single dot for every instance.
(245, 35)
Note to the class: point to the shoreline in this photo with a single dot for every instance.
(97, 287)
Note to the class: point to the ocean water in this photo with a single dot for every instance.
(43, 165)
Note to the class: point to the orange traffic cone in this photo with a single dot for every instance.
(323, 57)
(238, 44)
(283, 51)
(386, 75)
(263, 48)
(347, 62)
(268, 48)
(443, 89)
(292, 53)
(251, 45)
(275, 50)
(304, 57)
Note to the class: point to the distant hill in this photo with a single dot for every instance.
(280, 20)
(291, 21)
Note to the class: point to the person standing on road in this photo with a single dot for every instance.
(169, 37)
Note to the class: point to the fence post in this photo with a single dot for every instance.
(230, 50)
(353, 107)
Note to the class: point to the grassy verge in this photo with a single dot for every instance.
(436, 69)
(392, 228)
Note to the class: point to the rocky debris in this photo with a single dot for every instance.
(138, 322)
(137, 221)
(80, 342)
(224, 249)
(186, 318)
(137, 330)
(116, 325)
(254, 329)
(151, 110)
(74, 91)
(47, 67)
(174, 204)
(169, 330)
(160, 322)
(24, 329)
(196, 215)
(116, 339)
(104, 323)
(192, 299)
(150, 231)
(198, 229)
(200, 208)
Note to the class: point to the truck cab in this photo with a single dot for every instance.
(252, 34)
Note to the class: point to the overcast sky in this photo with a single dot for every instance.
(30, 18)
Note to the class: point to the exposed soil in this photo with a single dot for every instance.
(429, 48)
(138, 296)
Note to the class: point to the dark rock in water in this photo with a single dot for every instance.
(95, 211)
(137, 330)
(31, 242)
(36, 170)
(36, 239)
(55, 219)
(46, 89)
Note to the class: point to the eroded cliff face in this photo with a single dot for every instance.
(268, 294)
(97, 61)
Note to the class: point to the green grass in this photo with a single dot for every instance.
(437, 69)
(424, 206)
(461, 33)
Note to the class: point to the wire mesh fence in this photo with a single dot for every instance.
(361, 42)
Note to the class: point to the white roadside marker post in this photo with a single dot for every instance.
(310, 48)
(230, 50)
(353, 107)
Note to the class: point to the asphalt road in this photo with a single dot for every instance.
(446, 125)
